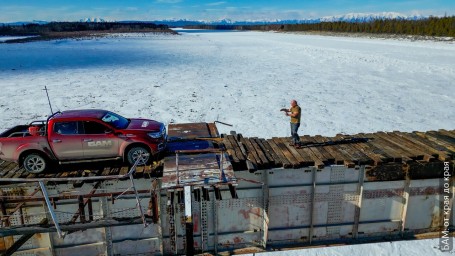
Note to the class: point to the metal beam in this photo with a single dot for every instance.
(358, 207)
(188, 222)
(404, 209)
(51, 210)
(313, 196)
(21, 241)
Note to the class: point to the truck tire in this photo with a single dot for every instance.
(35, 163)
(138, 152)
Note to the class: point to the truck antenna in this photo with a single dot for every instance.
(45, 89)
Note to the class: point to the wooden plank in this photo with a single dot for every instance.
(249, 150)
(19, 173)
(397, 156)
(292, 150)
(276, 159)
(349, 154)
(124, 170)
(233, 148)
(409, 144)
(238, 147)
(447, 133)
(337, 150)
(288, 155)
(337, 157)
(138, 173)
(372, 153)
(213, 130)
(266, 151)
(260, 153)
(7, 168)
(358, 155)
(437, 151)
(409, 152)
(431, 143)
(449, 147)
(105, 172)
(277, 150)
(327, 157)
(305, 154)
(447, 141)
(312, 154)
(315, 157)
(230, 150)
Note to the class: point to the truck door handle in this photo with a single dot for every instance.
(87, 140)
(56, 141)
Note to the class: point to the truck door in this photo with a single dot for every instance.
(65, 140)
(99, 141)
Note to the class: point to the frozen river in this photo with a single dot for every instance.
(344, 85)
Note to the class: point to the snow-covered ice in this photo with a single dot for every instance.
(414, 247)
(344, 85)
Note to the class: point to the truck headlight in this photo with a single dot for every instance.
(158, 134)
(154, 135)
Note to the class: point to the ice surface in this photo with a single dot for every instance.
(344, 85)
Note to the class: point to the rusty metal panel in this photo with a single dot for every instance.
(189, 131)
(423, 205)
(135, 232)
(371, 229)
(288, 177)
(137, 247)
(239, 240)
(87, 249)
(382, 201)
(289, 207)
(35, 252)
(236, 215)
(78, 238)
(288, 235)
(247, 180)
(197, 169)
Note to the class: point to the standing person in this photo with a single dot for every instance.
(294, 112)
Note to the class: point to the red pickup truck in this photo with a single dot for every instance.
(82, 136)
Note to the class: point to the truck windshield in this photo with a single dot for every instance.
(117, 121)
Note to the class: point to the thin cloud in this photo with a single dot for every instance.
(168, 1)
(215, 3)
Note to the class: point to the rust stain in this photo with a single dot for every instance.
(238, 240)
(195, 223)
(245, 214)
(256, 212)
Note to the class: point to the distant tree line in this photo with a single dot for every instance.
(40, 29)
(432, 26)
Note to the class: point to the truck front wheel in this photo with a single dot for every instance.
(34, 163)
(138, 153)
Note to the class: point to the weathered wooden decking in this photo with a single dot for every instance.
(373, 149)
(350, 150)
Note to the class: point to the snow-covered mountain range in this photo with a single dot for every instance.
(351, 17)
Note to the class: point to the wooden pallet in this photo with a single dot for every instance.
(371, 149)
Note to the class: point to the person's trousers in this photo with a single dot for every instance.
(294, 135)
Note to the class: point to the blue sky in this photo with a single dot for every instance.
(74, 10)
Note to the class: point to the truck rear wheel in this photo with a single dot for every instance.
(138, 152)
(34, 163)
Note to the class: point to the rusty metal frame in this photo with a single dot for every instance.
(355, 229)
(41, 182)
(313, 196)
(405, 200)
(51, 210)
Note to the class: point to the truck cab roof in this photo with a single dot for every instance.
(87, 113)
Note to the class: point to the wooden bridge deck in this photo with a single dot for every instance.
(373, 149)
(350, 150)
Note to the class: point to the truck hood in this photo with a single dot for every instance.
(144, 125)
